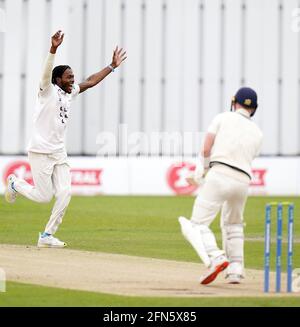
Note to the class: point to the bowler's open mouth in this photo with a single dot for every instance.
(69, 88)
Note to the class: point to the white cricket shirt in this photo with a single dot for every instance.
(50, 119)
(238, 139)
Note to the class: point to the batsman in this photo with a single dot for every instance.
(231, 143)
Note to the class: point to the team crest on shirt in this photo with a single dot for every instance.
(63, 111)
(63, 114)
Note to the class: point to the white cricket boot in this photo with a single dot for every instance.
(234, 278)
(10, 192)
(234, 273)
(50, 242)
(217, 265)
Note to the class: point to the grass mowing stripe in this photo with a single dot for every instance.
(142, 226)
(19, 294)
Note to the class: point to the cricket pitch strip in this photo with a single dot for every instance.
(122, 274)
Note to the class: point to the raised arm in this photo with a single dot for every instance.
(118, 57)
(56, 41)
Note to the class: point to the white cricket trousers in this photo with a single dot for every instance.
(51, 176)
(227, 189)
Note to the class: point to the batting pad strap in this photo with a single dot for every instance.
(234, 230)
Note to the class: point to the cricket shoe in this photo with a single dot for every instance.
(10, 192)
(234, 278)
(50, 242)
(218, 264)
(235, 273)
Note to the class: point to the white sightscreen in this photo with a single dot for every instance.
(186, 58)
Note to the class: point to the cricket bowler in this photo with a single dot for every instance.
(232, 141)
(46, 151)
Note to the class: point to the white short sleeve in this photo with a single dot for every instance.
(215, 124)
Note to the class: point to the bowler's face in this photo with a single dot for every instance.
(67, 80)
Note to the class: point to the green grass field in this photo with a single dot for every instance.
(20, 295)
(140, 226)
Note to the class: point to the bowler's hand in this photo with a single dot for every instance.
(118, 57)
(56, 41)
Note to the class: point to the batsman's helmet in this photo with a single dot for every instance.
(247, 98)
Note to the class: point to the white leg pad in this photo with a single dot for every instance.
(193, 236)
(235, 268)
(209, 241)
(202, 239)
(234, 248)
